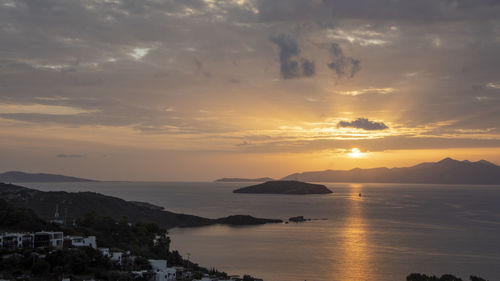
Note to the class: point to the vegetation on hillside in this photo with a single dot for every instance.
(445, 277)
(20, 219)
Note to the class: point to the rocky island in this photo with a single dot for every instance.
(285, 187)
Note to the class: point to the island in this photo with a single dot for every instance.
(285, 187)
(245, 220)
(298, 219)
(244, 179)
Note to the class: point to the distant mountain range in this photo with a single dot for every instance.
(16, 176)
(446, 171)
(243, 180)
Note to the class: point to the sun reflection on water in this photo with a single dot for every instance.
(356, 261)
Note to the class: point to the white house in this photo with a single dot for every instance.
(105, 252)
(116, 257)
(31, 240)
(78, 241)
(159, 269)
(48, 239)
(12, 240)
(171, 274)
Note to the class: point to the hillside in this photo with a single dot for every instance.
(78, 204)
(20, 219)
(16, 176)
(446, 171)
(285, 187)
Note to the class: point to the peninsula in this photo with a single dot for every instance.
(17, 176)
(243, 180)
(285, 187)
(79, 204)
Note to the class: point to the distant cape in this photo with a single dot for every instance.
(446, 171)
(243, 180)
(16, 176)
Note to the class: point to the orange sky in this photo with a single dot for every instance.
(196, 90)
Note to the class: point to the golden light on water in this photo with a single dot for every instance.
(357, 262)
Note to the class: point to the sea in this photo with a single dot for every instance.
(388, 232)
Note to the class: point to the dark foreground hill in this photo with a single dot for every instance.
(16, 176)
(285, 187)
(20, 219)
(77, 204)
(446, 171)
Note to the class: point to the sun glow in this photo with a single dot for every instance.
(355, 153)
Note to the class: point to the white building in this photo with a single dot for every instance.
(171, 274)
(13, 241)
(159, 269)
(116, 257)
(105, 252)
(78, 241)
(48, 239)
(31, 240)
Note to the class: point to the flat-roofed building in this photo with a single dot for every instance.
(45, 239)
(79, 241)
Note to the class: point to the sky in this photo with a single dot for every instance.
(201, 89)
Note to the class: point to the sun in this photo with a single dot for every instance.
(355, 153)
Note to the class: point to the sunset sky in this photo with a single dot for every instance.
(196, 90)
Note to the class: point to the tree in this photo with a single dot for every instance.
(475, 278)
(40, 267)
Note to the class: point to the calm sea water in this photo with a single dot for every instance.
(389, 232)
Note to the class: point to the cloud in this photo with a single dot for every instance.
(342, 64)
(375, 91)
(198, 64)
(424, 10)
(244, 143)
(63, 155)
(308, 67)
(493, 85)
(363, 123)
(289, 58)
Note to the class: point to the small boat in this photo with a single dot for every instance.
(359, 194)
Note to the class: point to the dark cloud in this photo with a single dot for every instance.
(289, 58)
(342, 64)
(308, 67)
(406, 10)
(363, 123)
(63, 155)
(289, 49)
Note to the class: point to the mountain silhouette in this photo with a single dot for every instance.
(446, 171)
(16, 176)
